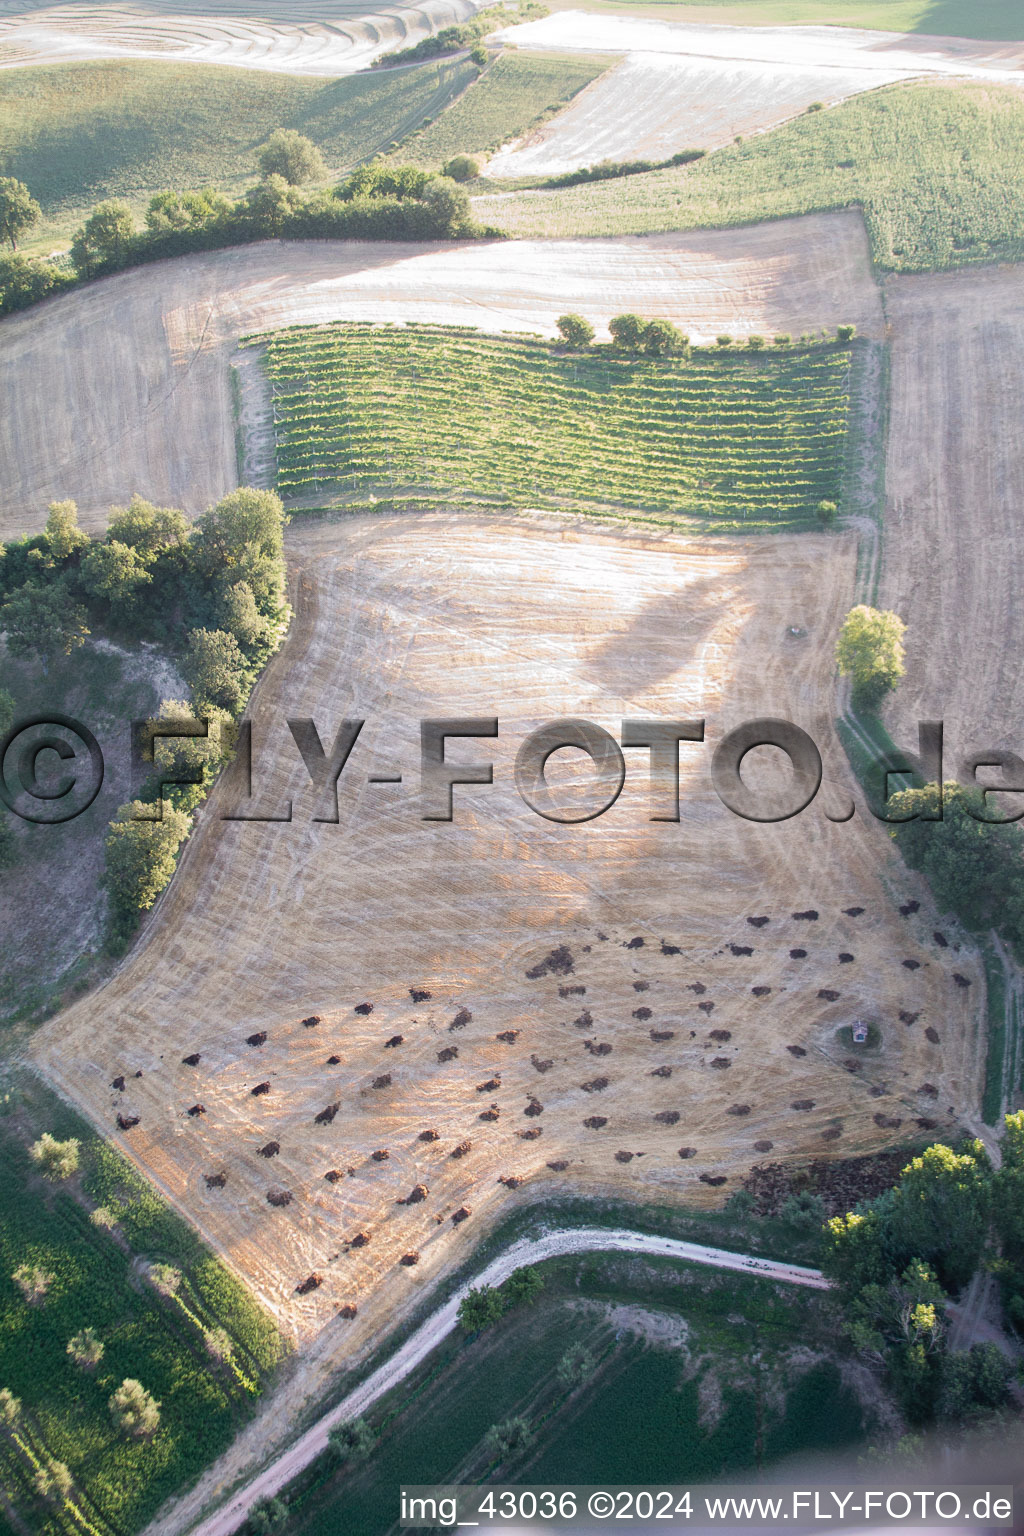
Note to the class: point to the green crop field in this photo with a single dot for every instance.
(986, 19)
(938, 169)
(733, 439)
(511, 96)
(119, 1482)
(646, 1412)
(76, 133)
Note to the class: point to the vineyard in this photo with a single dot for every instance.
(730, 439)
(94, 1271)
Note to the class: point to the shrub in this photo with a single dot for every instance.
(512, 1435)
(756, 343)
(723, 340)
(24, 280)
(352, 1441)
(292, 156)
(140, 857)
(662, 339)
(870, 652)
(480, 57)
(106, 240)
(783, 339)
(827, 513)
(215, 669)
(845, 333)
(86, 1349)
(218, 1345)
(134, 1410)
(575, 1365)
(10, 1409)
(480, 1308)
(18, 209)
(165, 1279)
(103, 1217)
(33, 1282)
(57, 1159)
(627, 332)
(575, 331)
(803, 1210)
(267, 1516)
(462, 168)
(52, 1480)
(816, 106)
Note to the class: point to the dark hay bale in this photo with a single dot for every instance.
(604, 1049)
(384, 1081)
(532, 1133)
(348, 1310)
(851, 1065)
(493, 1113)
(623, 1157)
(419, 995)
(381, 1155)
(636, 943)
(541, 1066)
(828, 995)
(279, 1197)
(741, 949)
(670, 949)
(659, 1035)
(668, 1117)
(574, 991)
(312, 1022)
(271, 1149)
(758, 922)
(360, 1240)
(462, 1214)
(721, 1063)
(698, 987)
(926, 1124)
(326, 1115)
(714, 1179)
(461, 1150)
(595, 1122)
(706, 1007)
(448, 1054)
(461, 1019)
(911, 965)
(907, 1017)
(798, 954)
(259, 1090)
(409, 1259)
(802, 1104)
(596, 1085)
(832, 1134)
(430, 1135)
(490, 1086)
(853, 911)
(558, 963)
(334, 1061)
(940, 939)
(197, 1109)
(191, 1061)
(961, 981)
(118, 1083)
(877, 1091)
(888, 1122)
(932, 1034)
(720, 1034)
(661, 1072)
(763, 1146)
(760, 991)
(641, 986)
(508, 1036)
(363, 1008)
(560, 1166)
(810, 916)
(310, 1283)
(910, 908)
(585, 1019)
(642, 1014)
(929, 1090)
(796, 1050)
(416, 1195)
(216, 1180)
(687, 1152)
(511, 1180)
(137, 1074)
(846, 958)
(534, 1108)
(334, 1175)
(389, 1045)
(259, 1038)
(738, 1109)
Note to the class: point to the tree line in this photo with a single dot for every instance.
(210, 593)
(378, 201)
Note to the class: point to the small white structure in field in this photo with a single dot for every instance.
(860, 1032)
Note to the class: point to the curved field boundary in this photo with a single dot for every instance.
(444, 1321)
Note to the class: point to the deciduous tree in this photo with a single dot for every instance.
(870, 652)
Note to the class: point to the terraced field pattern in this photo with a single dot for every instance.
(738, 439)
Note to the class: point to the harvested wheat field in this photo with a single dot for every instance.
(331, 40)
(955, 484)
(452, 1017)
(125, 385)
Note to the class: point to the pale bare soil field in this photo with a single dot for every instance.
(955, 488)
(330, 40)
(124, 385)
(601, 984)
(655, 104)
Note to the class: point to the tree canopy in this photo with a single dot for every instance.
(870, 652)
(18, 209)
(292, 156)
